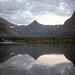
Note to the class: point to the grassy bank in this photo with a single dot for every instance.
(33, 40)
(37, 40)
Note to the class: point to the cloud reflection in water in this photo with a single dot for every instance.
(44, 65)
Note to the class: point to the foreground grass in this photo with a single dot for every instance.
(45, 41)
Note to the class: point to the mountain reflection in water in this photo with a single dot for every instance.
(44, 65)
(37, 59)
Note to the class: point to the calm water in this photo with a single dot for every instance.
(37, 59)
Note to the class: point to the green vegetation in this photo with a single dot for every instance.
(38, 40)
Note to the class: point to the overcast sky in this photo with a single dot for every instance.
(44, 11)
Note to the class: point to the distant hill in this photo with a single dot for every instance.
(36, 29)
(6, 30)
(68, 29)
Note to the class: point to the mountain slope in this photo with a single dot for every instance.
(68, 29)
(7, 23)
(5, 30)
(36, 29)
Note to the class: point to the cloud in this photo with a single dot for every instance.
(45, 6)
(11, 6)
(26, 65)
(17, 11)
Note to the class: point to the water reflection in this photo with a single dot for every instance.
(37, 59)
(39, 49)
(27, 65)
(35, 50)
(5, 51)
(51, 60)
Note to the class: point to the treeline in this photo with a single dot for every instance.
(26, 38)
(37, 39)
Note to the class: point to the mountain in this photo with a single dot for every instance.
(36, 29)
(68, 29)
(7, 23)
(5, 30)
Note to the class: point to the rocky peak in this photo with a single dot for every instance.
(34, 23)
(71, 20)
(73, 16)
(74, 13)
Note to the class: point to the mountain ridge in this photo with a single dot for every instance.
(67, 30)
(35, 29)
(5, 30)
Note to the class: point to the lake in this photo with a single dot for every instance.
(37, 59)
